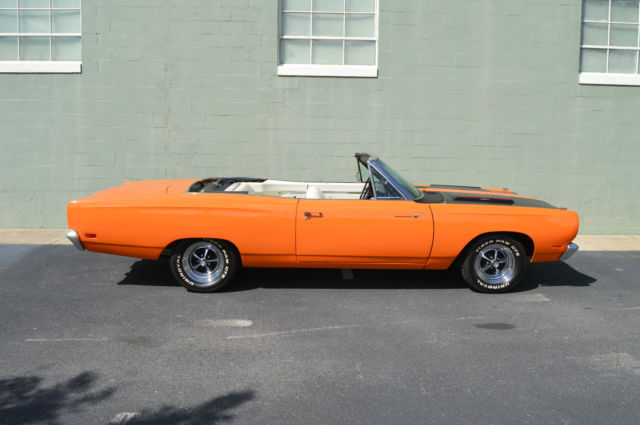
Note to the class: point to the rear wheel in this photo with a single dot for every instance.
(494, 264)
(204, 265)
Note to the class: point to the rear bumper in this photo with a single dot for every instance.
(72, 235)
(571, 249)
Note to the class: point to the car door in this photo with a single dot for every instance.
(357, 233)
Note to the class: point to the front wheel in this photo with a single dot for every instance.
(204, 265)
(494, 264)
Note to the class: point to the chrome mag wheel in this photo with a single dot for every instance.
(495, 264)
(203, 262)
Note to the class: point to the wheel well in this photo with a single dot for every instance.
(525, 240)
(168, 250)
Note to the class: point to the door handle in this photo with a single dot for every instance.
(308, 215)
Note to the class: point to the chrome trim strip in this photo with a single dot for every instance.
(571, 249)
(72, 235)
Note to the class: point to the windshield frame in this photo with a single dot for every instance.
(385, 181)
(406, 189)
(361, 167)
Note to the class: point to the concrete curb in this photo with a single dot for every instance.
(34, 236)
(57, 237)
(608, 242)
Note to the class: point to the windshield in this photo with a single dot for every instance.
(415, 193)
(382, 188)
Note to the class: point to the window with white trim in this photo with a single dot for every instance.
(610, 46)
(40, 36)
(328, 38)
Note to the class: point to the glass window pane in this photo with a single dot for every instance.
(593, 60)
(8, 21)
(327, 25)
(8, 3)
(595, 34)
(66, 49)
(65, 21)
(40, 4)
(596, 10)
(327, 52)
(328, 5)
(624, 11)
(34, 21)
(361, 5)
(300, 5)
(296, 23)
(382, 187)
(65, 3)
(294, 51)
(360, 26)
(360, 53)
(624, 35)
(34, 48)
(622, 61)
(8, 48)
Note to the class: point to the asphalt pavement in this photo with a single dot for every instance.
(95, 339)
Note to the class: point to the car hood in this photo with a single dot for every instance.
(479, 195)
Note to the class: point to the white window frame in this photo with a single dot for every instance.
(321, 70)
(608, 78)
(42, 67)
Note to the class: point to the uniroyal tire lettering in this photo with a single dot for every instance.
(492, 287)
(179, 266)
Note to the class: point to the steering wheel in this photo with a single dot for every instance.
(367, 190)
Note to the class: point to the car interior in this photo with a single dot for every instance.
(371, 184)
(301, 190)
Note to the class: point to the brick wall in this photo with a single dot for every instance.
(469, 92)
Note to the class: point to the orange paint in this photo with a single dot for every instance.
(141, 219)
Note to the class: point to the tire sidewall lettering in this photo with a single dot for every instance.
(221, 278)
(508, 244)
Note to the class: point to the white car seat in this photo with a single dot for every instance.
(314, 192)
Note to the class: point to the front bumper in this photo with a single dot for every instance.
(72, 235)
(571, 249)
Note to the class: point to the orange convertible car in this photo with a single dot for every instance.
(210, 228)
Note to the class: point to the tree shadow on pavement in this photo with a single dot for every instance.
(210, 412)
(24, 400)
(158, 273)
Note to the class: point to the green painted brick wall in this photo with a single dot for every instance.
(474, 92)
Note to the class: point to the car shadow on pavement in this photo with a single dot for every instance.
(25, 400)
(158, 273)
(336, 279)
(540, 274)
(556, 273)
(151, 273)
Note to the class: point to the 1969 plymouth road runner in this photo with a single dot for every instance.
(210, 228)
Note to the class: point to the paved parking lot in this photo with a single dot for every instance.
(88, 338)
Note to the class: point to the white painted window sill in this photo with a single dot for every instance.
(598, 78)
(367, 71)
(40, 67)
